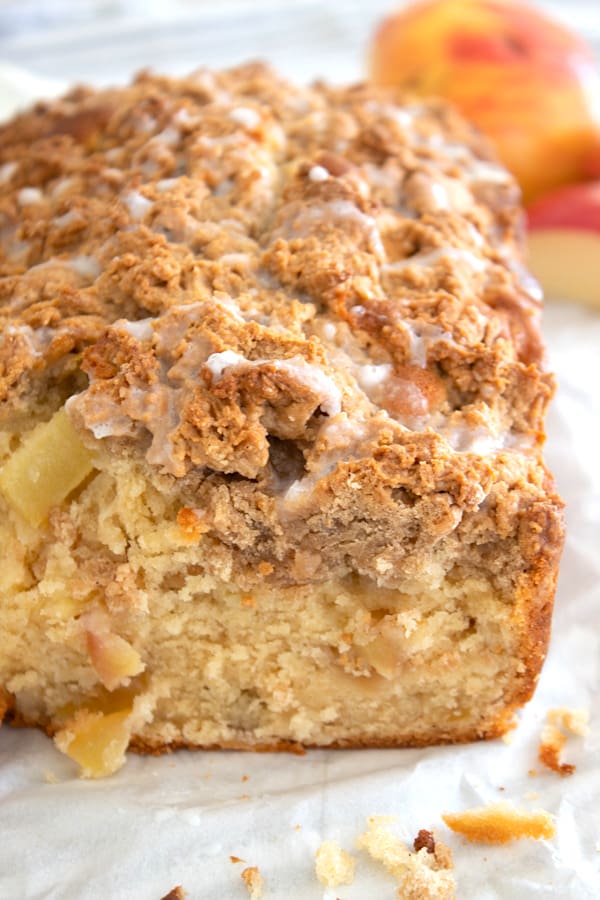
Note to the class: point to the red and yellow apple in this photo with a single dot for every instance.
(591, 165)
(527, 81)
(564, 242)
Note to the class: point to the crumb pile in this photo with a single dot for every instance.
(425, 874)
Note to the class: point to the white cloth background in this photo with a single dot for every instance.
(177, 819)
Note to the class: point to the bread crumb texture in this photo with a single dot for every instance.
(423, 874)
(254, 882)
(334, 866)
(272, 399)
(501, 823)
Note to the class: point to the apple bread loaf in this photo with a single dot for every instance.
(272, 409)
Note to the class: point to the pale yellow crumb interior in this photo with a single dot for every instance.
(211, 664)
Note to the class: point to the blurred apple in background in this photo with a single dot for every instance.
(564, 242)
(528, 82)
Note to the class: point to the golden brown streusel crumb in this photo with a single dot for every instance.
(500, 823)
(253, 881)
(334, 866)
(422, 875)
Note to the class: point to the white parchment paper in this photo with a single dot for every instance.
(177, 819)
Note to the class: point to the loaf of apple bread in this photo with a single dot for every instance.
(272, 403)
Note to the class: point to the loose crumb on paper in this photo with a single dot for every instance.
(554, 737)
(424, 839)
(550, 750)
(577, 721)
(501, 823)
(333, 865)
(425, 874)
(254, 882)
(177, 893)
(236, 859)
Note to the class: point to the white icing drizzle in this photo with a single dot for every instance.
(169, 136)
(183, 117)
(166, 184)
(146, 124)
(528, 283)
(318, 173)
(309, 375)
(334, 212)
(217, 363)
(371, 376)
(475, 170)
(340, 440)
(486, 441)
(440, 199)
(63, 185)
(71, 216)
(479, 170)
(86, 266)
(224, 187)
(7, 170)
(430, 259)
(405, 116)
(223, 301)
(29, 195)
(476, 235)
(235, 259)
(137, 204)
(243, 115)
(140, 329)
(421, 339)
(37, 339)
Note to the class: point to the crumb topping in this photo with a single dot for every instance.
(310, 302)
(263, 213)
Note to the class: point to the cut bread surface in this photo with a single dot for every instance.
(272, 399)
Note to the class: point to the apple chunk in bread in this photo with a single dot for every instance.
(564, 242)
(44, 470)
(96, 741)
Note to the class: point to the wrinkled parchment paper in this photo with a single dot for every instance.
(177, 819)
